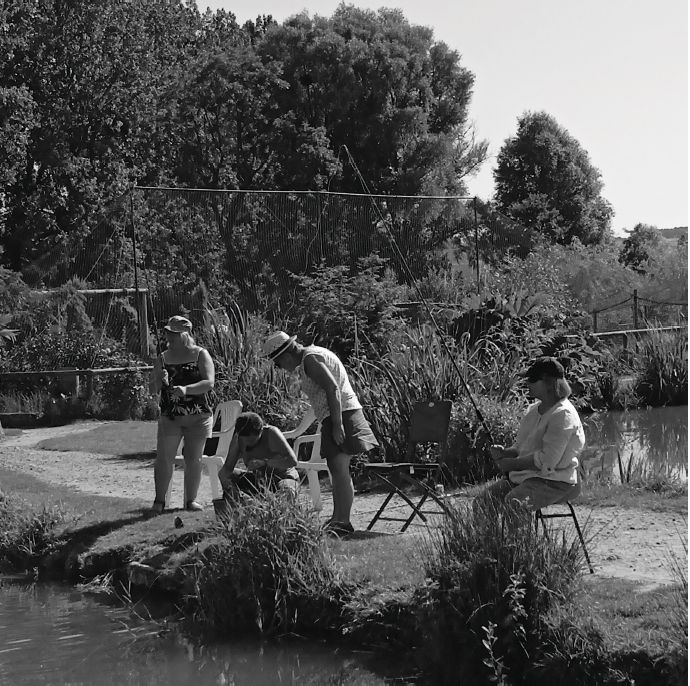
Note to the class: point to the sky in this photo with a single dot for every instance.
(614, 73)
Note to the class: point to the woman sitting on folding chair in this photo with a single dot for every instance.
(542, 464)
(269, 460)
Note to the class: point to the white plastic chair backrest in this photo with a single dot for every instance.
(315, 440)
(228, 412)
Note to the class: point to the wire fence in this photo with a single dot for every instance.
(640, 311)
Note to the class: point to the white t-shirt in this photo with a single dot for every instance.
(317, 395)
(553, 439)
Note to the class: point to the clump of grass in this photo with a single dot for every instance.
(30, 402)
(491, 579)
(678, 619)
(268, 571)
(25, 535)
(663, 369)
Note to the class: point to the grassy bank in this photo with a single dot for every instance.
(475, 598)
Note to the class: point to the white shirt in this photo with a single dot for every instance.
(317, 395)
(553, 440)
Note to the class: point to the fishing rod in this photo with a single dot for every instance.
(386, 223)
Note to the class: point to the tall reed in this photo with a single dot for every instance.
(662, 376)
(267, 572)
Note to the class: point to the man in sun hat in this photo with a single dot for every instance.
(542, 464)
(333, 403)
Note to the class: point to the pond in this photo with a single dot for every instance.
(651, 441)
(54, 634)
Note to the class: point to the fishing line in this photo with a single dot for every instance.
(386, 222)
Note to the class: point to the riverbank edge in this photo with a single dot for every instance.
(161, 561)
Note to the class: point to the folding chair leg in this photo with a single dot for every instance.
(380, 510)
(582, 538)
(416, 512)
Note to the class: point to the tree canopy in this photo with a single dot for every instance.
(545, 180)
(96, 97)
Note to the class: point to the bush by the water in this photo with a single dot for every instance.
(663, 369)
(25, 534)
(267, 571)
(491, 580)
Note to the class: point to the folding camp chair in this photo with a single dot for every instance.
(539, 515)
(224, 419)
(429, 422)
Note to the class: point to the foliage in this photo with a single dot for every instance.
(351, 313)
(491, 580)
(25, 535)
(384, 88)
(545, 180)
(662, 376)
(267, 567)
(242, 373)
(637, 246)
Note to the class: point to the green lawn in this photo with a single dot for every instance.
(113, 438)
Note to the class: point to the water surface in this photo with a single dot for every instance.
(53, 634)
(653, 439)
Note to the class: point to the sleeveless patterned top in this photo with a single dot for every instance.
(317, 395)
(184, 374)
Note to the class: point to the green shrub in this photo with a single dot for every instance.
(243, 374)
(491, 580)
(267, 573)
(469, 442)
(662, 377)
(25, 535)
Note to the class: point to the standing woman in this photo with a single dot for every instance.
(344, 429)
(184, 375)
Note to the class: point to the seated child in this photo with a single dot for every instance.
(269, 460)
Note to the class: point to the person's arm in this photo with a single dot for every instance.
(208, 377)
(225, 472)
(281, 455)
(159, 376)
(304, 424)
(318, 372)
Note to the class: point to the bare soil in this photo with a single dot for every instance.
(628, 543)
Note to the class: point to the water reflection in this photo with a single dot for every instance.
(655, 439)
(56, 635)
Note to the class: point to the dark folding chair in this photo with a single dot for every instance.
(540, 516)
(429, 423)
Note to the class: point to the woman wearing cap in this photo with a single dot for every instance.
(184, 375)
(542, 463)
(268, 458)
(344, 430)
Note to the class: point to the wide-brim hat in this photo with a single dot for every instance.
(545, 367)
(276, 344)
(178, 324)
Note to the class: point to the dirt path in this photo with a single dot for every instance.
(626, 543)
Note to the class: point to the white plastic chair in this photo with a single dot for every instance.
(228, 412)
(313, 466)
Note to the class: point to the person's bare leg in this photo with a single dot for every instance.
(166, 449)
(343, 488)
(192, 452)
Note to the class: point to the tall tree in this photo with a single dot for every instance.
(384, 88)
(545, 180)
(638, 246)
(89, 74)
